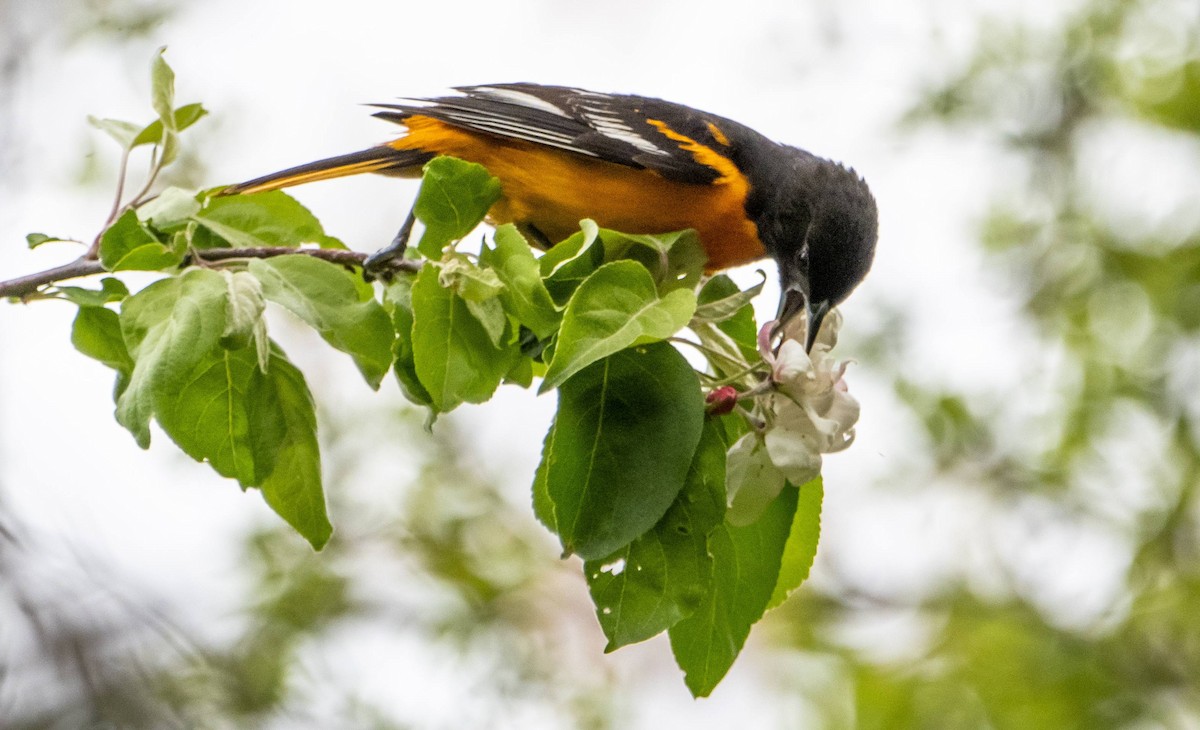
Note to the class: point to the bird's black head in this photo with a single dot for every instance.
(818, 220)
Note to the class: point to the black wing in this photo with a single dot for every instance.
(611, 127)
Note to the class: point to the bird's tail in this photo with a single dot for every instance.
(383, 159)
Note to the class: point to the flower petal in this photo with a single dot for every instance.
(795, 442)
(751, 480)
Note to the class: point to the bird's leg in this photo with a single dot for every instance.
(535, 236)
(378, 262)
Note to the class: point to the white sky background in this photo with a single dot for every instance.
(283, 81)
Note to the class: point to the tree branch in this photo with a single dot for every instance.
(23, 287)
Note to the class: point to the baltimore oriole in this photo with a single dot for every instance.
(639, 165)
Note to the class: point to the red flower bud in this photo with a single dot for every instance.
(721, 400)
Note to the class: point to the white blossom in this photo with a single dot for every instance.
(751, 480)
(809, 413)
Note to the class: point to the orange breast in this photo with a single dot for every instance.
(553, 190)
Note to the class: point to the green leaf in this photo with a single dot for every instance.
(96, 333)
(184, 117)
(272, 218)
(208, 416)
(730, 339)
(649, 585)
(543, 507)
(745, 570)
(719, 296)
(565, 266)
(521, 374)
(801, 547)
(471, 282)
(621, 447)
(724, 355)
(524, 295)
(123, 132)
(685, 259)
(129, 245)
(398, 297)
(720, 299)
(479, 288)
(340, 306)
(733, 426)
(455, 197)
(162, 99)
(676, 260)
(741, 327)
(616, 307)
(111, 290)
(130, 135)
(37, 239)
(162, 88)
(491, 315)
(256, 426)
(293, 489)
(246, 305)
(171, 209)
(570, 248)
(454, 357)
(169, 327)
(169, 149)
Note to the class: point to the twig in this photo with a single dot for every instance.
(122, 174)
(23, 287)
(155, 168)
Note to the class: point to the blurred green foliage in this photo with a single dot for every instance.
(438, 557)
(1115, 310)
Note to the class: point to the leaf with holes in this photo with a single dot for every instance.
(647, 586)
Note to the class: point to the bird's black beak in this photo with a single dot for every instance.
(794, 302)
(816, 315)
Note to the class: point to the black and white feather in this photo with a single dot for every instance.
(611, 127)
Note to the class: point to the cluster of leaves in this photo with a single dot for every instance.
(633, 475)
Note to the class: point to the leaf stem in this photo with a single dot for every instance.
(122, 173)
(156, 167)
(708, 352)
(711, 355)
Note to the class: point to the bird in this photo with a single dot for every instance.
(638, 165)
